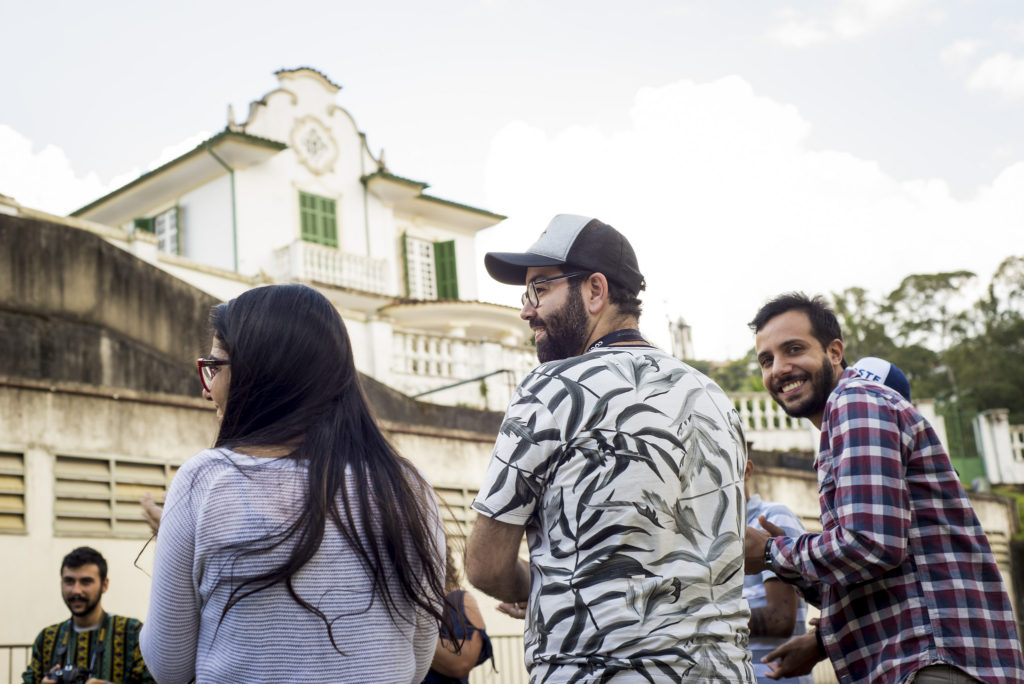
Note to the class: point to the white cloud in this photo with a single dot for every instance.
(960, 52)
(1013, 29)
(728, 205)
(849, 20)
(1002, 73)
(42, 179)
(167, 154)
(45, 179)
(174, 151)
(798, 31)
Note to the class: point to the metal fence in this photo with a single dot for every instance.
(13, 661)
(508, 664)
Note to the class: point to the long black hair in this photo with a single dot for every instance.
(294, 383)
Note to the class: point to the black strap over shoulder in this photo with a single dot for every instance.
(623, 335)
(66, 650)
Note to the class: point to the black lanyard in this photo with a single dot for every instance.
(624, 335)
(71, 635)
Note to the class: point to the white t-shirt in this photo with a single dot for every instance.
(626, 467)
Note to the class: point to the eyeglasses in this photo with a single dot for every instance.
(209, 368)
(532, 294)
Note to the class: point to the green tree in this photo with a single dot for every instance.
(929, 314)
(864, 325)
(931, 310)
(740, 375)
(990, 364)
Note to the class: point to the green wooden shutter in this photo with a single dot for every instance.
(318, 218)
(145, 224)
(307, 214)
(328, 222)
(444, 270)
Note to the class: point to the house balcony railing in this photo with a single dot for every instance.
(331, 266)
(767, 427)
(422, 362)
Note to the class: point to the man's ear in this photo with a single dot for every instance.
(595, 293)
(103, 587)
(835, 352)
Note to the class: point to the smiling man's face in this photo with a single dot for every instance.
(797, 371)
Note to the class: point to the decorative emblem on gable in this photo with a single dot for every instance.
(314, 145)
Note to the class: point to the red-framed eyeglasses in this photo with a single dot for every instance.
(209, 368)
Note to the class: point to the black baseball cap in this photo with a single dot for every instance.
(580, 241)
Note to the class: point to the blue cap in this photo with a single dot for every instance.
(879, 370)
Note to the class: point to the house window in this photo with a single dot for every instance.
(100, 496)
(165, 227)
(12, 492)
(430, 271)
(419, 268)
(318, 217)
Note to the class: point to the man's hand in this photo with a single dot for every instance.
(516, 610)
(798, 656)
(47, 680)
(151, 511)
(753, 545)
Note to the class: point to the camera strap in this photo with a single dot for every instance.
(67, 650)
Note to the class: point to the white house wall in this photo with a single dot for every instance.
(465, 265)
(268, 211)
(385, 240)
(204, 224)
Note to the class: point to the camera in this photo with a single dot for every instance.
(70, 674)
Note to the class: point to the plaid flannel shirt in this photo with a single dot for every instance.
(907, 575)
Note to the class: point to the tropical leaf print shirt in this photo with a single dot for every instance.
(626, 467)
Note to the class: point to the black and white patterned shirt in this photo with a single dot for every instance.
(626, 467)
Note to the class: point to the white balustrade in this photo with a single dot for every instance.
(1017, 442)
(770, 428)
(331, 266)
(424, 361)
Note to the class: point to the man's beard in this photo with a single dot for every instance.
(89, 605)
(823, 381)
(565, 331)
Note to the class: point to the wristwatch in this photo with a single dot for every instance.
(768, 564)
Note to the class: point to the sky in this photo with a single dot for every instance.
(745, 148)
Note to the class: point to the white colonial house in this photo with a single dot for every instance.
(294, 194)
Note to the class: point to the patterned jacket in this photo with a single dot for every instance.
(118, 660)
